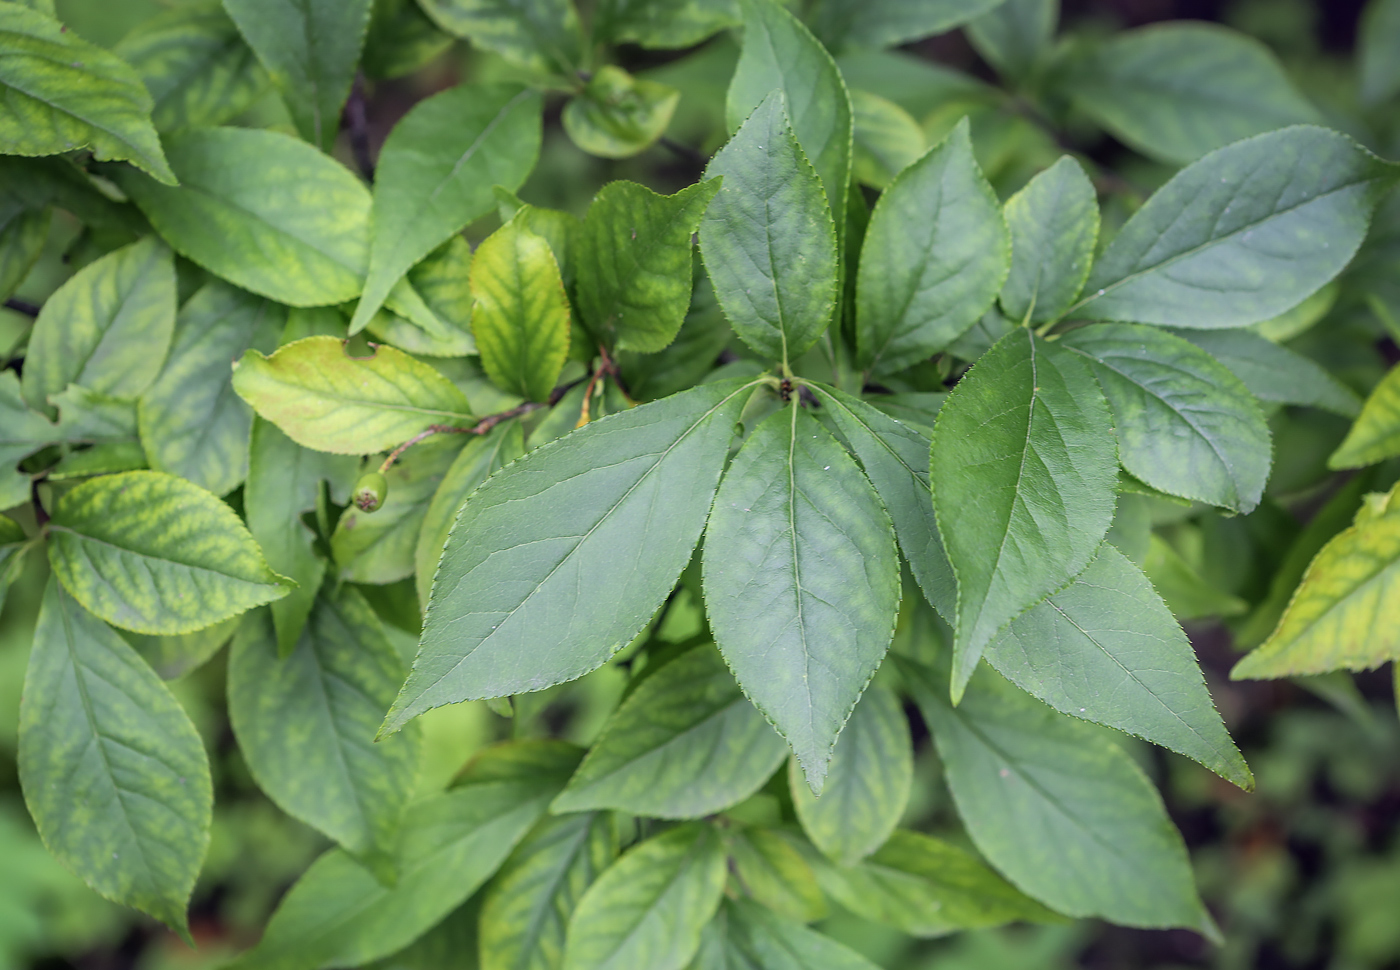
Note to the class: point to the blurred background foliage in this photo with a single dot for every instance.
(1305, 873)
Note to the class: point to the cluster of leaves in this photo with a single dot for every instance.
(573, 481)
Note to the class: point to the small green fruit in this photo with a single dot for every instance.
(370, 492)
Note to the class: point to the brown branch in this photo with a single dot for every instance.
(22, 306)
(481, 427)
(358, 123)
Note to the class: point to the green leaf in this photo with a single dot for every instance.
(526, 911)
(801, 581)
(686, 360)
(780, 54)
(1376, 434)
(1378, 51)
(13, 545)
(768, 941)
(1014, 35)
(22, 239)
(663, 24)
(113, 771)
(635, 263)
(107, 328)
(441, 280)
(62, 93)
(305, 723)
(1106, 649)
(322, 398)
(774, 873)
(22, 431)
(1061, 810)
(1343, 614)
(1054, 224)
(648, 908)
(685, 744)
(521, 317)
(86, 416)
(1188, 595)
(767, 238)
(153, 553)
(935, 254)
(481, 458)
(338, 914)
(192, 424)
(617, 115)
(310, 47)
(887, 140)
(1024, 472)
(1177, 91)
(1241, 235)
(263, 210)
(542, 36)
(436, 171)
(401, 40)
(28, 184)
(1274, 373)
(539, 540)
(867, 785)
(1186, 425)
(889, 23)
(173, 657)
(195, 65)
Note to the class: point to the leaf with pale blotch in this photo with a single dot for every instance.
(801, 581)
(1376, 434)
(663, 24)
(1054, 224)
(22, 430)
(617, 115)
(152, 553)
(685, 744)
(761, 938)
(322, 398)
(887, 140)
(62, 93)
(113, 771)
(542, 36)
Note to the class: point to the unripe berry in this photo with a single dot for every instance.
(370, 491)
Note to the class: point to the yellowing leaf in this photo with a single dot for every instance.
(1376, 434)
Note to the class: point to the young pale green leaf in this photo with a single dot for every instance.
(113, 771)
(867, 785)
(1186, 425)
(801, 581)
(1014, 35)
(526, 911)
(153, 553)
(542, 36)
(1106, 649)
(927, 887)
(663, 24)
(62, 93)
(195, 65)
(774, 872)
(527, 595)
(887, 140)
(1025, 474)
(338, 914)
(1054, 224)
(479, 460)
(935, 254)
(1378, 51)
(322, 398)
(635, 263)
(305, 723)
(876, 24)
(173, 657)
(648, 908)
(521, 317)
(1060, 809)
(1241, 235)
(617, 115)
(263, 210)
(780, 54)
(1343, 615)
(767, 238)
(192, 424)
(22, 238)
(685, 744)
(310, 47)
(763, 939)
(1274, 373)
(1376, 434)
(107, 328)
(435, 175)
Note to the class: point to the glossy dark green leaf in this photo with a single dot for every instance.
(1060, 809)
(1275, 374)
(113, 771)
(305, 723)
(617, 115)
(192, 423)
(526, 911)
(935, 255)
(310, 47)
(107, 328)
(767, 941)
(62, 93)
(867, 785)
(648, 908)
(767, 238)
(1243, 234)
(1054, 224)
(685, 744)
(774, 872)
(1106, 649)
(542, 36)
(525, 596)
(1024, 471)
(635, 263)
(153, 553)
(1014, 35)
(664, 24)
(801, 581)
(889, 23)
